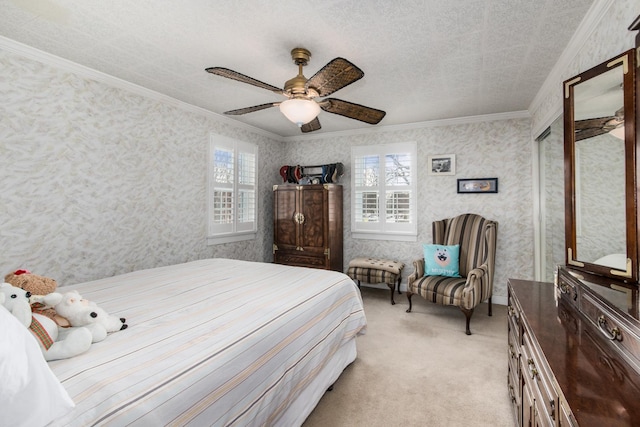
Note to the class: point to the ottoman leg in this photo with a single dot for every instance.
(392, 288)
(399, 280)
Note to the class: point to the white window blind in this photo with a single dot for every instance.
(384, 191)
(232, 190)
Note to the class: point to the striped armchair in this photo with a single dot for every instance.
(477, 239)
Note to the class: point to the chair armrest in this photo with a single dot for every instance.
(418, 271)
(477, 274)
(477, 288)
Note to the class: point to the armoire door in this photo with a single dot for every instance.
(285, 210)
(313, 226)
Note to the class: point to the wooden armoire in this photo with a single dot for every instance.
(307, 225)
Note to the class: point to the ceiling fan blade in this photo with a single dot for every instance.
(351, 110)
(588, 128)
(311, 126)
(246, 110)
(337, 74)
(234, 75)
(590, 133)
(592, 123)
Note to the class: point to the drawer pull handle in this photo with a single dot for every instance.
(613, 334)
(299, 218)
(513, 353)
(532, 369)
(566, 288)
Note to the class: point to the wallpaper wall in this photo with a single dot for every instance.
(98, 181)
(500, 148)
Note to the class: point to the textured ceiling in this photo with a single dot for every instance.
(423, 59)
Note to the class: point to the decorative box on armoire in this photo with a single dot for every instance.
(307, 225)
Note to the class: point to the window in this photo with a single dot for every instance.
(232, 190)
(383, 192)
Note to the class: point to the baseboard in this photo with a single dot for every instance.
(500, 300)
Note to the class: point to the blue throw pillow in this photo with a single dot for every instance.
(441, 260)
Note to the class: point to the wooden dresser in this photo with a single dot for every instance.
(562, 370)
(307, 226)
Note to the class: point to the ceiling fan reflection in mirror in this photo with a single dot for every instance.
(613, 125)
(301, 107)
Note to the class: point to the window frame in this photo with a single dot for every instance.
(383, 229)
(235, 230)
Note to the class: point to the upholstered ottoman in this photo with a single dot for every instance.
(376, 270)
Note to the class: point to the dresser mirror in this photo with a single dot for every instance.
(601, 232)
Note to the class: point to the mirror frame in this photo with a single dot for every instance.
(628, 61)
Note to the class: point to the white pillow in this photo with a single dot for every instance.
(30, 393)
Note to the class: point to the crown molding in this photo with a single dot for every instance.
(32, 53)
(552, 83)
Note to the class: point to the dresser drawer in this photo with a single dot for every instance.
(515, 391)
(568, 291)
(539, 376)
(613, 327)
(300, 259)
(513, 349)
(513, 324)
(513, 315)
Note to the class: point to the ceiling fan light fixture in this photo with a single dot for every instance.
(300, 111)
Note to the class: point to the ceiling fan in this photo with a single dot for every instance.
(588, 128)
(301, 107)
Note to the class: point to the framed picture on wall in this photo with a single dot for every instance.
(478, 185)
(443, 164)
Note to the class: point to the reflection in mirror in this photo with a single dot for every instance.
(599, 171)
(600, 205)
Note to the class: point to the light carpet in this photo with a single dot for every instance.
(420, 369)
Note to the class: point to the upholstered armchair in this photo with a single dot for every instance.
(477, 239)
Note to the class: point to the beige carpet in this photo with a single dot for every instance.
(420, 369)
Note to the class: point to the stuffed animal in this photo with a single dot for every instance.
(37, 286)
(81, 312)
(53, 344)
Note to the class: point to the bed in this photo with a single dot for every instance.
(214, 342)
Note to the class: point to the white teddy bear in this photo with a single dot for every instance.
(54, 344)
(81, 312)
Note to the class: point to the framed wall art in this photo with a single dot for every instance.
(478, 185)
(443, 164)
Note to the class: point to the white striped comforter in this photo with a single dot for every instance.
(213, 342)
